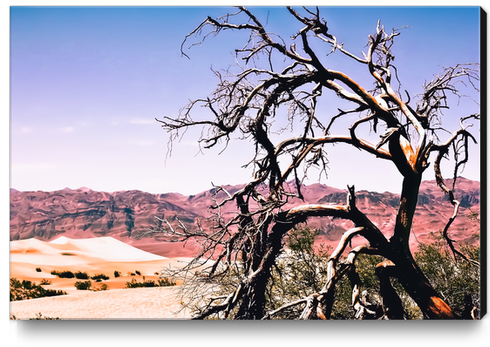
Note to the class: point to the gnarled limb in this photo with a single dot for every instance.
(458, 141)
(364, 309)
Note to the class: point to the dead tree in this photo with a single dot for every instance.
(245, 105)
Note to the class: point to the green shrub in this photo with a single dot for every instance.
(134, 284)
(27, 284)
(30, 290)
(39, 316)
(81, 275)
(53, 292)
(103, 286)
(165, 282)
(453, 280)
(66, 274)
(15, 283)
(99, 277)
(85, 285)
(63, 274)
(149, 283)
(302, 272)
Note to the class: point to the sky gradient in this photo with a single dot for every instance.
(87, 83)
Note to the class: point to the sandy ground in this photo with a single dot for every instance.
(94, 256)
(141, 303)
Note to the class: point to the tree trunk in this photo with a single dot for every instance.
(418, 287)
(252, 306)
(392, 304)
(406, 212)
(409, 274)
(254, 300)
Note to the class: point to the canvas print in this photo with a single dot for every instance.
(246, 163)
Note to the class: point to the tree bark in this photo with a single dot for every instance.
(409, 274)
(418, 287)
(406, 212)
(392, 304)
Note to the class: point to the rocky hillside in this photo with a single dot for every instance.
(83, 213)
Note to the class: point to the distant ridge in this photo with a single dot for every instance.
(84, 213)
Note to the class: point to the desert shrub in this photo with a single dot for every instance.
(63, 274)
(117, 274)
(29, 290)
(38, 269)
(301, 271)
(455, 281)
(45, 282)
(27, 284)
(53, 292)
(138, 273)
(136, 284)
(149, 283)
(295, 276)
(81, 275)
(83, 285)
(15, 283)
(99, 277)
(39, 316)
(165, 282)
(103, 286)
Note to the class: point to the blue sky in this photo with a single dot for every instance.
(86, 84)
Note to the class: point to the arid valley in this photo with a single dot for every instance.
(97, 233)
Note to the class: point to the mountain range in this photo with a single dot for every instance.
(123, 215)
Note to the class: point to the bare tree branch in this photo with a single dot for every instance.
(237, 254)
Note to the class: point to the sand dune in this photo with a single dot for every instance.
(94, 256)
(105, 248)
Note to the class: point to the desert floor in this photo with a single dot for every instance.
(94, 256)
(140, 303)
